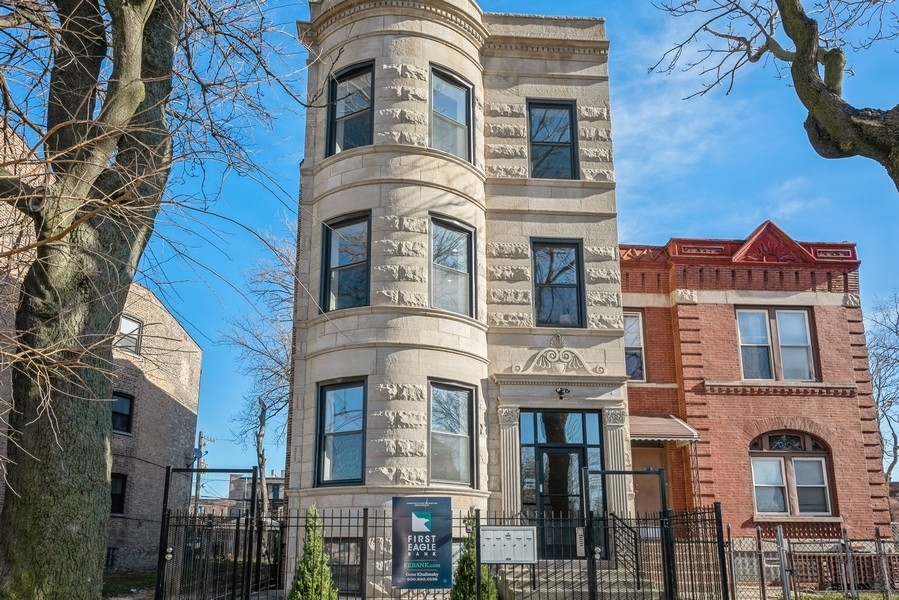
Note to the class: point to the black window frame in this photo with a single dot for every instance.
(580, 290)
(470, 233)
(471, 391)
(129, 416)
(343, 75)
(136, 336)
(321, 436)
(117, 500)
(455, 80)
(570, 105)
(328, 230)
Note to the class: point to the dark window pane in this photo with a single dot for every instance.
(348, 266)
(560, 428)
(551, 162)
(121, 413)
(784, 442)
(550, 124)
(349, 287)
(353, 94)
(528, 476)
(634, 363)
(556, 264)
(343, 409)
(450, 247)
(558, 306)
(756, 362)
(349, 244)
(342, 457)
(117, 484)
(353, 132)
(812, 499)
(449, 410)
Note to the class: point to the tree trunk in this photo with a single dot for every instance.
(57, 508)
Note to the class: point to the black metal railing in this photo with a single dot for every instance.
(577, 557)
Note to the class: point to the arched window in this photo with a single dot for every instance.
(790, 474)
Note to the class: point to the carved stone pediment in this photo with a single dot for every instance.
(557, 360)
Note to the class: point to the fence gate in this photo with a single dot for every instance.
(215, 557)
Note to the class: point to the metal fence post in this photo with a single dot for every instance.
(666, 528)
(850, 565)
(882, 561)
(476, 532)
(164, 555)
(722, 556)
(363, 555)
(760, 552)
(782, 558)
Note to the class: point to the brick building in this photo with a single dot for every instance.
(757, 347)
(156, 389)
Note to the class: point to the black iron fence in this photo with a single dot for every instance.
(667, 556)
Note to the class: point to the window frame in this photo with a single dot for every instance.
(321, 434)
(759, 449)
(638, 315)
(117, 500)
(456, 81)
(571, 107)
(136, 334)
(469, 232)
(129, 415)
(471, 392)
(328, 230)
(775, 346)
(577, 245)
(341, 76)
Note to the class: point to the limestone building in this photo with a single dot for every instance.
(460, 330)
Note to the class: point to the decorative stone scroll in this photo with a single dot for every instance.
(557, 359)
(508, 415)
(615, 417)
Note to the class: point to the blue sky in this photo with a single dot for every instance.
(715, 166)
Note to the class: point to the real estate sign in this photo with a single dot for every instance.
(422, 543)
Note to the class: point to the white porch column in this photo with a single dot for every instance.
(511, 460)
(616, 441)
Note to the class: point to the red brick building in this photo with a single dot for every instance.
(749, 380)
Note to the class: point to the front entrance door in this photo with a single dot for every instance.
(647, 494)
(559, 500)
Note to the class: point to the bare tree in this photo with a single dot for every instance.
(803, 41)
(883, 356)
(264, 340)
(110, 98)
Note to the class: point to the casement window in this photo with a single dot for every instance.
(633, 346)
(341, 438)
(775, 344)
(122, 406)
(451, 433)
(346, 264)
(350, 109)
(790, 474)
(117, 485)
(451, 272)
(558, 284)
(552, 141)
(450, 114)
(129, 334)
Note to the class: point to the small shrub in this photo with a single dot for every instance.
(464, 580)
(312, 579)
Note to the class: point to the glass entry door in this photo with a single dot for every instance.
(555, 447)
(559, 501)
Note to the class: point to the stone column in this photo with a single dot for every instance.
(616, 442)
(511, 460)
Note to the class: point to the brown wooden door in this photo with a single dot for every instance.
(648, 496)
